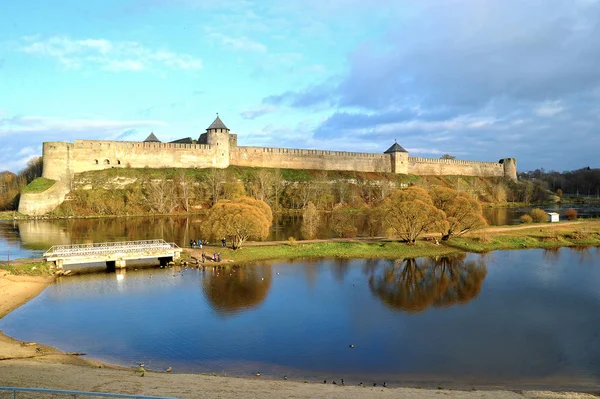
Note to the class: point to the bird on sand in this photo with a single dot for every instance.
(258, 374)
(169, 370)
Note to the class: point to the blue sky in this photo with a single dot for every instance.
(478, 79)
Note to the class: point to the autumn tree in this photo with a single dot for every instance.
(238, 220)
(311, 220)
(410, 212)
(342, 222)
(463, 212)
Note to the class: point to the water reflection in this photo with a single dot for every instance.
(237, 289)
(413, 285)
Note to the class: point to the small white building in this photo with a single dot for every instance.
(553, 217)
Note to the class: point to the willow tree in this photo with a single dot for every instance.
(409, 213)
(463, 212)
(238, 220)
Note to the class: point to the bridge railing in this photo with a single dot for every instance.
(75, 394)
(109, 248)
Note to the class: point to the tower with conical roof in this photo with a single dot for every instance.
(399, 158)
(217, 136)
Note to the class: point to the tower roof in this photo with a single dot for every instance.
(217, 124)
(152, 139)
(395, 148)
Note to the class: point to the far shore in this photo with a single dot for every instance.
(36, 365)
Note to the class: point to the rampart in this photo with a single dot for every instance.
(440, 167)
(310, 159)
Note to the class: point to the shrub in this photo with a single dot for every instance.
(538, 215)
(291, 241)
(526, 219)
(571, 214)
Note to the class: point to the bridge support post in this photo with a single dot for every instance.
(59, 264)
(164, 260)
(120, 263)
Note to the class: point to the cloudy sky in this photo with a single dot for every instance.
(478, 79)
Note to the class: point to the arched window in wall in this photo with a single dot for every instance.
(118, 162)
(106, 162)
(95, 161)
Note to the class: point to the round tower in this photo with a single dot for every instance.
(510, 168)
(217, 136)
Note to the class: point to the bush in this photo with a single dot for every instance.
(538, 215)
(526, 219)
(291, 241)
(571, 214)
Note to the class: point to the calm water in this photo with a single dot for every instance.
(31, 238)
(525, 316)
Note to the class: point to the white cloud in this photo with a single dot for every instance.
(549, 108)
(22, 136)
(111, 56)
(237, 43)
(260, 110)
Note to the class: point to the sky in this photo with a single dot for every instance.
(476, 79)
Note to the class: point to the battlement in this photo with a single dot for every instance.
(452, 161)
(106, 144)
(300, 152)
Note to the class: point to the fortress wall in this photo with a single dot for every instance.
(432, 166)
(309, 159)
(97, 155)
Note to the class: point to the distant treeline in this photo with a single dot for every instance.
(11, 184)
(584, 182)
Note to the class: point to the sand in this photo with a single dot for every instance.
(24, 364)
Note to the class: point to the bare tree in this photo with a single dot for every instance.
(215, 180)
(183, 185)
(158, 195)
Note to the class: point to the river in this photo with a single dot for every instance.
(509, 317)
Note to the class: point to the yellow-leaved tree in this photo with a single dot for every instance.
(409, 213)
(238, 220)
(463, 212)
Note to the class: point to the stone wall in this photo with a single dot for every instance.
(97, 155)
(439, 167)
(309, 159)
(36, 204)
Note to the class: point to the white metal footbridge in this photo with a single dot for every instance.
(114, 254)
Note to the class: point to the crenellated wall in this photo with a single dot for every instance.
(97, 155)
(310, 159)
(438, 167)
(219, 149)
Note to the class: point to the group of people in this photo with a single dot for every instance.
(197, 243)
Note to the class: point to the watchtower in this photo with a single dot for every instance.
(217, 136)
(399, 158)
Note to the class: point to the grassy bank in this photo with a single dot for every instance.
(546, 235)
(336, 250)
(38, 185)
(27, 267)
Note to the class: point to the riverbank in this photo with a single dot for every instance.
(543, 235)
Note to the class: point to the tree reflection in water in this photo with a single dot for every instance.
(413, 285)
(237, 289)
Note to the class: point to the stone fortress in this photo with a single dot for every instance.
(217, 148)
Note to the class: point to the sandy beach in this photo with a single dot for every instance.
(26, 364)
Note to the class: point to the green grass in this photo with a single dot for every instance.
(27, 267)
(39, 185)
(10, 215)
(389, 250)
